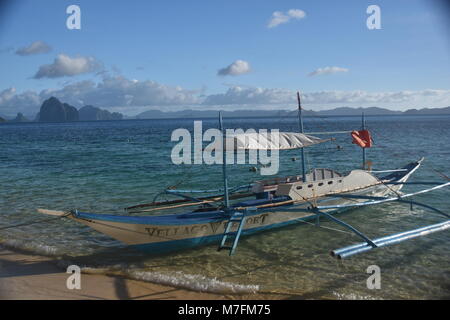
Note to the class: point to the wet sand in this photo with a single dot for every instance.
(24, 276)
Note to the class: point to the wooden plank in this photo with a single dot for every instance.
(52, 212)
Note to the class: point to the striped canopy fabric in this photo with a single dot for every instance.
(270, 141)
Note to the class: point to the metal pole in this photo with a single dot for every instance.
(300, 123)
(389, 240)
(224, 162)
(363, 149)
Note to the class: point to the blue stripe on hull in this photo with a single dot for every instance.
(178, 245)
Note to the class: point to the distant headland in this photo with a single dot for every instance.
(53, 110)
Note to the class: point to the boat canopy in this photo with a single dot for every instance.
(270, 141)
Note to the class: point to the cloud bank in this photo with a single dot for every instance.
(237, 96)
(11, 102)
(111, 91)
(279, 17)
(133, 96)
(245, 96)
(65, 66)
(36, 47)
(236, 68)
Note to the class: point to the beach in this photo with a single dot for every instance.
(24, 276)
(32, 277)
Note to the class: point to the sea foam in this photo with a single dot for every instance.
(30, 247)
(193, 282)
(176, 279)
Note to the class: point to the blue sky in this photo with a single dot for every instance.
(140, 55)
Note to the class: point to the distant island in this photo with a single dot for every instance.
(342, 111)
(53, 110)
(20, 118)
(91, 113)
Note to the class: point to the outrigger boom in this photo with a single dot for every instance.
(389, 240)
(395, 238)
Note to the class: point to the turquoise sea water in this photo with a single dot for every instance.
(105, 166)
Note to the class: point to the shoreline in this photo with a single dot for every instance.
(25, 276)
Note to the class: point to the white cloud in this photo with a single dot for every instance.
(34, 48)
(279, 17)
(63, 65)
(327, 70)
(236, 68)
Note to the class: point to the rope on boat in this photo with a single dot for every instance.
(36, 221)
(185, 175)
(305, 199)
(329, 228)
(316, 225)
(441, 174)
(390, 189)
(329, 132)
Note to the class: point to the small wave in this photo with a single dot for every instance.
(30, 247)
(193, 282)
(176, 279)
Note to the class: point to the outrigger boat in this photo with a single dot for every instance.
(224, 215)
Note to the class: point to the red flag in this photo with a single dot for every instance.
(362, 138)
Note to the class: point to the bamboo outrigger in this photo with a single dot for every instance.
(225, 214)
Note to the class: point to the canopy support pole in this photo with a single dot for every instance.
(363, 126)
(300, 123)
(224, 163)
